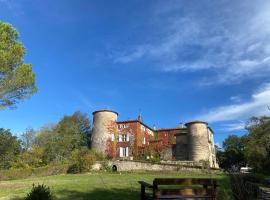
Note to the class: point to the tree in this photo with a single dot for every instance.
(17, 80)
(58, 141)
(77, 127)
(232, 157)
(258, 144)
(9, 148)
(28, 138)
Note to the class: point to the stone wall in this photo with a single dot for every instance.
(165, 166)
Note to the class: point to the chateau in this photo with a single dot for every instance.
(131, 139)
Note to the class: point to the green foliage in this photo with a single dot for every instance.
(82, 161)
(30, 158)
(245, 186)
(52, 144)
(232, 158)
(103, 185)
(40, 192)
(58, 141)
(17, 80)
(252, 149)
(77, 123)
(48, 170)
(257, 149)
(9, 148)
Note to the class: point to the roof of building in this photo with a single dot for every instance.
(171, 129)
(195, 122)
(105, 110)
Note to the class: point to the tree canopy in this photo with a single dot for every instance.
(232, 157)
(10, 147)
(17, 79)
(257, 150)
(58, 141)
(252, 148)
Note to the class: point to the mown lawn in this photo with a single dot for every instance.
(98, 186)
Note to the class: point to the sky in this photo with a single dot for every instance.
(173, 61)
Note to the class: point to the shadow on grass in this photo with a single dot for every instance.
(99, 194)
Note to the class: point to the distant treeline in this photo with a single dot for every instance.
(66, 142)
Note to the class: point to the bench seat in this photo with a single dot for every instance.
(180, 188)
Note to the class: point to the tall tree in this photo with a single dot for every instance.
(77, 127)
(77, 123)
(28, 138)
(232, 157)
(58, 141)
(9, 148)
(17, 80)
(257, 149)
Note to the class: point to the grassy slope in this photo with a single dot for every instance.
(97, 186)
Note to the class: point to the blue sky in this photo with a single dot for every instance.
(174, 61)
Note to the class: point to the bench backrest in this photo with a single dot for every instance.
(184, 186)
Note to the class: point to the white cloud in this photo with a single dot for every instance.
(236, 98)
(256, 106)
(234, 45)
(235, 126)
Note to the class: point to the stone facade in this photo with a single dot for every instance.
(103, 122)
(131, 139)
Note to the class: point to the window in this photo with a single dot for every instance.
(123, 152)
(121, 126)
(124, 138)
(144, 140)
(143, 128)
(120, 138)
(112, 137)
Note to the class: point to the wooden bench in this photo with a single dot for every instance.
(180, 188)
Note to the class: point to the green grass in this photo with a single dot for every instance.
(98, 186)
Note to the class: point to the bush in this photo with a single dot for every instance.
(32, 172)
(40, 192)
(245, 186)
(73, 169)
(81, 161)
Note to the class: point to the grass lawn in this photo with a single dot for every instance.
(98, 186)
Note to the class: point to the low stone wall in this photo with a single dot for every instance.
(183, 163)
(165, 166)
(125, 165)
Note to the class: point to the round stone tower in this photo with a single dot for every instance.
(103, 126)
(198, 146)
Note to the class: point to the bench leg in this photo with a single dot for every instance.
(142, 192)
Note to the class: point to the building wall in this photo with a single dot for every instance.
(104, 122)
(198, 148)
(181, 147)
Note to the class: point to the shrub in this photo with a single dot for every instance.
(73, 169)
(40, 192)
(245, 186)
(105, 166)
(32, 172)
(82, 161)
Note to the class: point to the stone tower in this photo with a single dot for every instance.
(103, 125)
(198, 141)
